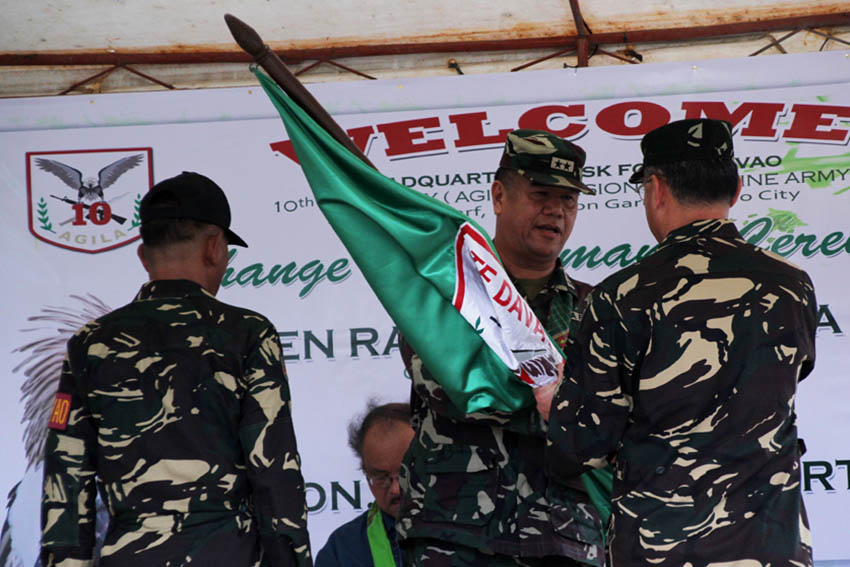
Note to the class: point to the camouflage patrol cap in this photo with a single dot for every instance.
(685, 140)
(189, 196)
(545, 158)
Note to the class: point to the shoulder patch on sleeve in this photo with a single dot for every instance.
(61, 411)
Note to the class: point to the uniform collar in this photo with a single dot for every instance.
(708, 227)
(170, 288)
(559, 281)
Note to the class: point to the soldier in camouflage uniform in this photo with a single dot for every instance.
(685, 372)
(177, 408)
(474, 489)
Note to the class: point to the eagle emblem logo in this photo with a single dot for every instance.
(87, 200)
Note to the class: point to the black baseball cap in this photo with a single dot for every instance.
(191, 196)
(685, 140)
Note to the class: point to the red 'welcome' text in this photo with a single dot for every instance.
(820, 123)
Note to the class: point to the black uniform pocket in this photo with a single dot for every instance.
(461, 485)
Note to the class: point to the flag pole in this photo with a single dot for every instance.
(251, 42)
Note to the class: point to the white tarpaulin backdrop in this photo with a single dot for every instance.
(441, 137)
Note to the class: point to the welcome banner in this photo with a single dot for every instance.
(68, 259)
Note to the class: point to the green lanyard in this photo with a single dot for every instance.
(379, 543)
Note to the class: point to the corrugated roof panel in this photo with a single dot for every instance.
(178, 43)
(180, 25)
(605, 16)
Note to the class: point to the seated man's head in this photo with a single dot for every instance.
(185, 228)
(380, 439)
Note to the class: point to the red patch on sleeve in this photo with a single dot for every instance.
(61, 411)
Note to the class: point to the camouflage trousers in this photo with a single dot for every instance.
(436, 553)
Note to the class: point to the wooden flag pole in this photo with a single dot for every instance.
(251, 42)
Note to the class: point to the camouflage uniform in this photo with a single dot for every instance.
(685, 370)
(180, 416)
(477, 480)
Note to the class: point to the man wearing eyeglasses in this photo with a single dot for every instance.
(379, 439)
(684, 375)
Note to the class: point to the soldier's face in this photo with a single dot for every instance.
(384, 446)
(533, 221)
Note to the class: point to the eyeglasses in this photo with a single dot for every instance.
(381, 481)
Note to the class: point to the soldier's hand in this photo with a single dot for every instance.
(544, 395)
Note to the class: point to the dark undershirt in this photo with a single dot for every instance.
(533, 287)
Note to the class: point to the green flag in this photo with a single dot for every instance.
(434, 270)
(437, 274)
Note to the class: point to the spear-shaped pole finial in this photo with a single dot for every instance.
(246, 36)
(251, 42)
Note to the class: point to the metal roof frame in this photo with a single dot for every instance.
(584, 43)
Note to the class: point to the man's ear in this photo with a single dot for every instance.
(212, 248)
(661, 194)
(140, 252)
(497, 192)
(737, 192)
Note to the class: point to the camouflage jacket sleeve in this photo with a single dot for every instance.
(426, 387)
(68, 496)
(591, 407)
(271, 455)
